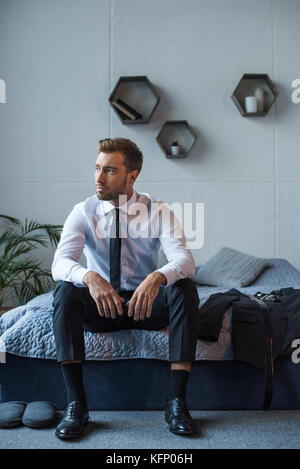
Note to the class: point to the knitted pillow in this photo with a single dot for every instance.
(230, 268)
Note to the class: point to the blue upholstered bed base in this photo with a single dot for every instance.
(142, 384)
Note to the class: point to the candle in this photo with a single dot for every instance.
(250, 104)
(259, 94)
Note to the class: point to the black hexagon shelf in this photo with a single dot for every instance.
(134, 99)
(258, 85)
(180, 132)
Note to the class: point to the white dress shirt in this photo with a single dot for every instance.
(145, 223)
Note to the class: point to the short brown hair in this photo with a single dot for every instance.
(133, 157)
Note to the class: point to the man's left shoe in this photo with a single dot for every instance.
(178, 417)
(73, 422)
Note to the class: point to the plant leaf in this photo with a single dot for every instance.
(18, 272)
(13, 220)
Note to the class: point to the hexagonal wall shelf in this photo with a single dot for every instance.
(180, 132)
(256, 85)
(134, 99)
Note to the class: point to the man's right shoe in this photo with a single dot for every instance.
(73, 422)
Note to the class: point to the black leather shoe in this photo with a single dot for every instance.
(178, 417)
(73, 422)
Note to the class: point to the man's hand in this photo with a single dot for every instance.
(107, 299)
(141, 301)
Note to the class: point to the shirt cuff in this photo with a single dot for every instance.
(169, 274)
(77, 276)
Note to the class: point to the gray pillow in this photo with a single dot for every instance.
(230, 268)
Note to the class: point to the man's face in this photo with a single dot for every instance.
(111, 177)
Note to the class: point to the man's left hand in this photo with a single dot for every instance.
(140, 305)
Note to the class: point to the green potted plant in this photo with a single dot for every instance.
(22, 276)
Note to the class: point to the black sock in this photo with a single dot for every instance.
(177, 384)
(72, 373)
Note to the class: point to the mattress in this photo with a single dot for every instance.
(27, 330)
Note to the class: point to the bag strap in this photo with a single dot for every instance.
(269, 355)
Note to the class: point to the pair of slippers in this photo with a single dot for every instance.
(39, 414)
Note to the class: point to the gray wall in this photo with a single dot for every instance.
(60, 60)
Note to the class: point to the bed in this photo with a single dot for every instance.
(128, 370)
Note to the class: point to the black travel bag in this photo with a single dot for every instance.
(259, 327)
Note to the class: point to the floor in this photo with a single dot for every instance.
(147, 430)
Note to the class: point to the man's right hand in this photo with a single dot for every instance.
(108, 302)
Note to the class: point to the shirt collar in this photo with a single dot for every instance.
(108, 206)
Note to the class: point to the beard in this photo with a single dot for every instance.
(113, 195)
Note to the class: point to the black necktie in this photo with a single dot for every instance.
(115, 251)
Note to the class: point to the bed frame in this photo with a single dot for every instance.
(141, 384)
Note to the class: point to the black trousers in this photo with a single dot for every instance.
(75, 311)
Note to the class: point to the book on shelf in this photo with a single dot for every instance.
(123, 116)
(126, 109)
(129, 108)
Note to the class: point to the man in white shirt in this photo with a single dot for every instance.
(120, 232)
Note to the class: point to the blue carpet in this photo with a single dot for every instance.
(138, 430)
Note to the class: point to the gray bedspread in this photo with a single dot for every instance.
(27, 330)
